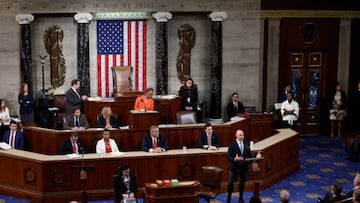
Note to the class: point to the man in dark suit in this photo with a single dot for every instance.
(125, 185)
(208, 139)
(356, 184)
(73, 97)
(238, 151)
(76, 121)
(72, 145)
(235, 107)
(283, 94)
(154, 142)
(13, 137)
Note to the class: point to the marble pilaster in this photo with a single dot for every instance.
(25, 43)
(216, 64)
(162, 52)
(83, 20)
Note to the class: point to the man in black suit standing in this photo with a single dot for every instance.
(235, 107)
(238, 151)
(208, 139)
(154, 142)
(76, 121)
(73, 97)
(72, 145)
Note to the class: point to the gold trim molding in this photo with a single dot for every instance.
(123, 15)
(309, 14)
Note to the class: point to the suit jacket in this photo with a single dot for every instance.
(188, 93)
(120, 188)
(232, 111)
(101, 122)
(19, 139)
(69, 122)
(233, 150)
(350, 193)
(147, 143)
(72, 100)
(203, 140)
(67, 148)
(100, 146)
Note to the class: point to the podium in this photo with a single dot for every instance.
(143, 120)
(184, 192)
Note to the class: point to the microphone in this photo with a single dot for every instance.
(143, 104)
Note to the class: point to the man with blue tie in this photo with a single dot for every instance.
(76, 121)
(238, 151)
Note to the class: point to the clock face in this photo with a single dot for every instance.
(309, 33)
(30, 176)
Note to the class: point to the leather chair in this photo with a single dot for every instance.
(121, 80)
(58, 101)
(210, 182)
(186, 117)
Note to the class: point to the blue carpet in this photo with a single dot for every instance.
(322, 164)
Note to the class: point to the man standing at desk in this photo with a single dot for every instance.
(208, 139)
(73, 97)
(238, 151)
(154, 142)
(13, 137)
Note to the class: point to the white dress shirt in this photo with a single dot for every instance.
(3, 115)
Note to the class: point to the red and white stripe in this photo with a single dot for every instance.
(134, 55)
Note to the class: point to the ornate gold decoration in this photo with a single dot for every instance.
(187, 38)
(30, 176)
(53, 37)
(309, 14)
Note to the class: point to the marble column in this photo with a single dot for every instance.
(162, 52)
(83, 20)
(25, 43)
(216, 64)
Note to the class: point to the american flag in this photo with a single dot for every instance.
(121, 43)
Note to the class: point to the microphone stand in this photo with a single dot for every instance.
(83, 177)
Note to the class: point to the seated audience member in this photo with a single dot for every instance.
(154, 142)
(72, 145)
(235, 107)
(356, 196)
(106, 144)
(283, 94)
(289, 111)
(125, 184)
(355, 150)
(284, 196)
(145, 102)
(333, 195)
(4, 118)
(208, 139)
(254, 199)
(76, 121)
(106, 119)
(356, 184)
(13, 137)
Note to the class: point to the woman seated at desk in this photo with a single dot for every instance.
(106, 119)
(106, 144)
(145, 102)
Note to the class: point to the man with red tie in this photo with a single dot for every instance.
(13, 137)
(154, 142)
(72, 145)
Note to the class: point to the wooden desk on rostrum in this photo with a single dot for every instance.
(185, 192)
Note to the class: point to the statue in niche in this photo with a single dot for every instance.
(53, 37)
(187, 37)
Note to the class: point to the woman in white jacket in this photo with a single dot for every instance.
(106, 144)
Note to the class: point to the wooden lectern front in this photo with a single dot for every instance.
(184, 192)
(143, 120)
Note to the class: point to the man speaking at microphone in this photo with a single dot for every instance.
(154, 142)
(72, 145)
(145, 102)
(238, 151)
